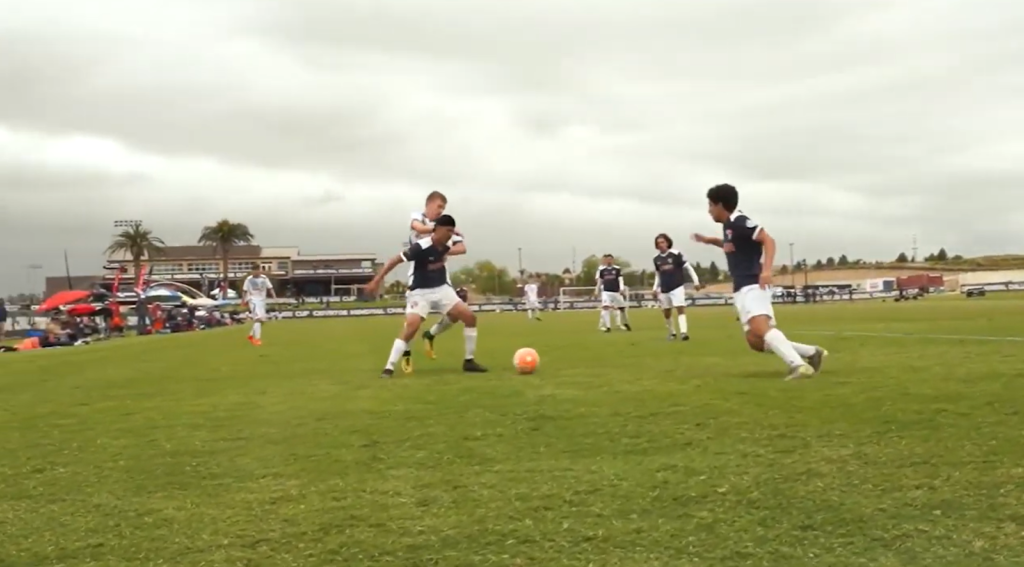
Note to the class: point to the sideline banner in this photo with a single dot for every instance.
(554, 305)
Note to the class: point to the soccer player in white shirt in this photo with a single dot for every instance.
(421, 226)
(531, 292)
(254, 295)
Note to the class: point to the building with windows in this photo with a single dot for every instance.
(292, 272)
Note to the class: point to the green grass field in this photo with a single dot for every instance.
(624, 450)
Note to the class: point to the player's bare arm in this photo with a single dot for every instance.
(421, 228)
(390, 265)
(457, 249)
(709, 240)
(768, 242)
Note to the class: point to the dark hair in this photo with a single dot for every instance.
(445, 220)
(607, 256)
(668, 240)
(725, 195)
(437, 196)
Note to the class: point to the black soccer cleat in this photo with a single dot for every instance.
(684, 337)
(472, 365)
(627, 327)
(387, 373)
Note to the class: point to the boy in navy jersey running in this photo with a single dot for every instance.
(744, 243)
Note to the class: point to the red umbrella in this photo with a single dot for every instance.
(62, 298)
(81, 310)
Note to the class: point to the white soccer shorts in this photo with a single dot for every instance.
(674, 298)
(533, 304)
(258, 309)
(612, 299)
(423, 302)
(752, 301)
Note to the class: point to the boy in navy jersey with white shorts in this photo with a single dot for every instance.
(745, 243)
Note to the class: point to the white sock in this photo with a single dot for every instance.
(623, 314)
(441, 326)
(618, 317)
(469, 334)
(780, 345)
(682, 324)
(396, 353)
(606, 319)
(529, 313)
(805, 351)
(670, 324)
(257, 328)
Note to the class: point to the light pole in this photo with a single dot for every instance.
(126, 223)
(792, 266)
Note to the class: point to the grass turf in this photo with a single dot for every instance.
(625, 450)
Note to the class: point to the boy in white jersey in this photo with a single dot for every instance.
(422, 226)
(531, 293)
(254, 295)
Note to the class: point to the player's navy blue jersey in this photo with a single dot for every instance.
(428, 264)
(609, 278)
(671, 270)
(742, 252)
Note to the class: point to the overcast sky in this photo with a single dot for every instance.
(848, 126)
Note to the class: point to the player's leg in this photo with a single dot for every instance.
(607, 304)
(454, 307)
(400, 348)
(258, 313)
(442, 325)
(665, 303)
(754, 305)
(417, 309)
(678, 298)
(619, 311)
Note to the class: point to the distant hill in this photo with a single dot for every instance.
(863, 271)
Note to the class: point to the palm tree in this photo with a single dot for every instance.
(136, 241)
(223, 236)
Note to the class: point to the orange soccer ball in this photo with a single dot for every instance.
(526, 360)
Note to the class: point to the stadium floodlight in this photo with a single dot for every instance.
(126, 223)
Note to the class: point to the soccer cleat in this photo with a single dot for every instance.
(627, 327)
(605, 330)
(684, 337)
(387, 373)
(407, 362)
(816, 359)
(257, 342)
(471, 365)
(428, 345)
(671, 336)
(800, 371)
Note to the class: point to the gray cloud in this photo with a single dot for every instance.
(587, 124)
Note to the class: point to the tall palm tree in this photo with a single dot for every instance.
(136, 241)
(223, 236)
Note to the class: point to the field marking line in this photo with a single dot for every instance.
(914, 336)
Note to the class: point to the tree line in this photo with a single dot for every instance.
(138, 242)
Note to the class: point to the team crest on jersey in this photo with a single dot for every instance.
(750, 223)
(728, 233)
